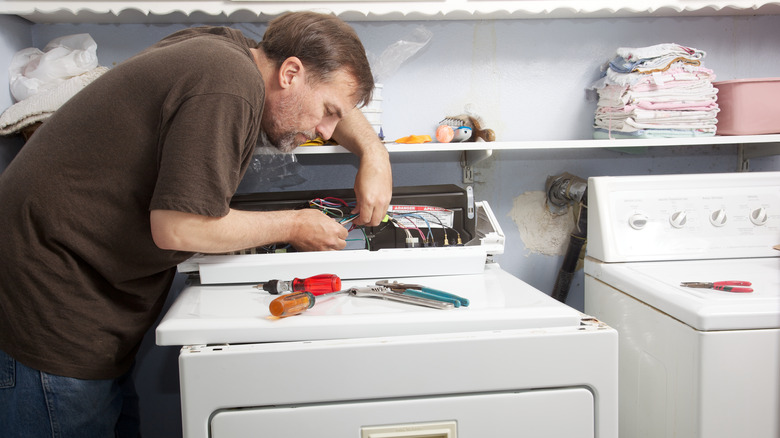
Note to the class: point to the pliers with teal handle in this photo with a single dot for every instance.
(418, 290)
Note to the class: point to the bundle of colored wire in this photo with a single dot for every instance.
(408, 216)
(398, 225)
(335, 207)
(332, 206)
(349, 219)
(430, 232)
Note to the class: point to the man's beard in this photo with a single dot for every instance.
(279, 135)
(285, 144)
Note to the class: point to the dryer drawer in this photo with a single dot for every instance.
(501, 414)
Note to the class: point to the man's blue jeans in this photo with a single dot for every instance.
(35, 404)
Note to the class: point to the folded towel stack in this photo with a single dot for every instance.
(656, 91)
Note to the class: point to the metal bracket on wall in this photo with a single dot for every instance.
(747, 151)
(469, 159)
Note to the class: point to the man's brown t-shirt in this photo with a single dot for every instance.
(174, 128)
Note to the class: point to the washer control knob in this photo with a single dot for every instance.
(759, 216)
(678, 219)
(718, 217)
(637, 221)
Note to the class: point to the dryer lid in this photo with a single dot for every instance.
(658, 284)
(233, 314)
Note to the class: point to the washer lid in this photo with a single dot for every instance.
(232, 314)
(658, 284)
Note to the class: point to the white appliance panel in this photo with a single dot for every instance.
(658, 284)
(676, 381)
(396, 262)
(534, 413)
(239, 313)
(683, 217)
(339, 373)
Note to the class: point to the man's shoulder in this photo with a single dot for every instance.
(209, 33)
(203, 49)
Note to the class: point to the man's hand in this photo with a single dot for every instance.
(315, 231)
(373, 189)
(374, 180)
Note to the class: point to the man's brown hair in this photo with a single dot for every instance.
(324, 43)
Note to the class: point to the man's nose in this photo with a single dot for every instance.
(326, 127)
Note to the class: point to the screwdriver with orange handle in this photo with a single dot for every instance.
(316, 285)
(295, 303)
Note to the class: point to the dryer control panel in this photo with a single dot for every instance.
(684, 217)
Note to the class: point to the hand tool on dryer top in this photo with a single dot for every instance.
(421, 291)
(386, 293)
(726, 286)
(298, 302)
(316, 285)
(295, 303)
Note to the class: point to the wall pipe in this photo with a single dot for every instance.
(577, 242)
(563, 190)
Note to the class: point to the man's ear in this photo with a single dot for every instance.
(291, 70)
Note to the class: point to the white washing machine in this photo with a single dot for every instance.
(694, 362)
(514, 362)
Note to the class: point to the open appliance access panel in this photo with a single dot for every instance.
(460, 233)
(510, 362)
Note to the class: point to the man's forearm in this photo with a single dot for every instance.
(306, 230)
(179, 231)
(374, 180)
(356, 135)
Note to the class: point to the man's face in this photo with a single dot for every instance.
(305, 111)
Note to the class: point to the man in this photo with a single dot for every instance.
(133, 175)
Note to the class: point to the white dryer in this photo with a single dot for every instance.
(514, 362)
(694, 362)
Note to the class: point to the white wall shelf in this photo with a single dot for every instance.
(748, 146)
(773, 139)
(223, 11)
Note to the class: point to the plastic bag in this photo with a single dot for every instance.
(33, 71)
(397, 53)
(271, 169)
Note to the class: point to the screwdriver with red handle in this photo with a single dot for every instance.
(316, 285)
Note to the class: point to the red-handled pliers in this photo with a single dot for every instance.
(727, 286)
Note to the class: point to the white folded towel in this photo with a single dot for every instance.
(41, 106)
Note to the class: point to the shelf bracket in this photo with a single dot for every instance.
(747, 151)
(469, 159)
